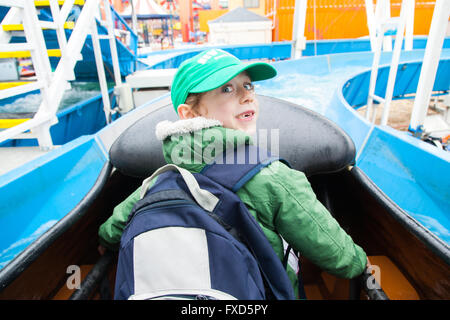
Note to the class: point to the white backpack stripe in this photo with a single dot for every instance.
(172, 257)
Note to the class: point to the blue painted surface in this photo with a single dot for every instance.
(347, 118)
(355, 45)
(37, 195)
(271, 51)
(355, 90)
(276, 50)
(414, 174)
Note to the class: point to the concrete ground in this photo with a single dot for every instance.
(400, 113)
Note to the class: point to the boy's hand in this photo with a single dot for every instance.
(101, 249)
(368, 263)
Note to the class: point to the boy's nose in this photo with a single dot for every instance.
(246, 96)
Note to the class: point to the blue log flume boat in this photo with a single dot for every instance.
(389, 193)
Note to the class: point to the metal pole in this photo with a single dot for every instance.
(374, 73)
(409, 33)
(315, 30)
(133, 17)
(100, 71)
(112, 43)
(371, 24)
(298, 31)
(430, 63)
(385, 15)
(394, 63)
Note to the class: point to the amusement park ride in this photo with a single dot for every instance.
(186, 11)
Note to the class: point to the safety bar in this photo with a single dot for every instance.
(97, 276)
(361, 283)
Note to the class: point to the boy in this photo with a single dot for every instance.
(214, 96)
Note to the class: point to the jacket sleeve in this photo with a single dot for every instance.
(308, 226)
(111, 230)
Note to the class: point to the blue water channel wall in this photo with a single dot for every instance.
(413, 173)
(276, 51)
(39, 194)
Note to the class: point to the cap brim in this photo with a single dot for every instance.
(257, 71)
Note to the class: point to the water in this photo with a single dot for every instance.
(30, 103)
(308, 90)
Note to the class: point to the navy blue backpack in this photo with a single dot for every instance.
(191, 237)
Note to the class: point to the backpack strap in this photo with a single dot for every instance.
(203, 197)
(246, 161)
(232, 170)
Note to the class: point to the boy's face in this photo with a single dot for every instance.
(234, 104)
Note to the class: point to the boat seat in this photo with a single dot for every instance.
(308, 141)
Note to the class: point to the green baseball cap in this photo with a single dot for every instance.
(211, 69)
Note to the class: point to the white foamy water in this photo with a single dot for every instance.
(30, 103)
(308, 90)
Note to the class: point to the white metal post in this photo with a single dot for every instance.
(394, 63)
(133, 17)
(386, 13)
(382, 14)
(112, 42)
(13, 16)
(58, 20)
(298, 30)
(74, 46)
(59, 25)
(373, 75)
(65, 9)
(409, 33)
(41, 65)
(100, 71)
(371, 24)
(53, 84)
(35, 38)
(430, 63)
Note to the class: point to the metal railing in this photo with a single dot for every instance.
(53, 84)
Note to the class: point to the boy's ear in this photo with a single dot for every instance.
(185, 112)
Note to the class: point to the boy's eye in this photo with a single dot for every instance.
(249, 86)
(227, 89)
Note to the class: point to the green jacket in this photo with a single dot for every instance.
(280, 199)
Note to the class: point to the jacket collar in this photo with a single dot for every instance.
(192, 143)
(167, 128)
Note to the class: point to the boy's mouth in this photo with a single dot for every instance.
(246, 116)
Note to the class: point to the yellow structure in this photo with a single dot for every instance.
(207, 15)
(9, 123)
(46, 3)
(256, 6)
(19, 27)
(27, 54)
(337, 19)
(11, 84)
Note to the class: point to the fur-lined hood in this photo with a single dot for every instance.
(193, 143)
(167, 128)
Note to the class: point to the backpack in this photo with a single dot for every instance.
(191, 237)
